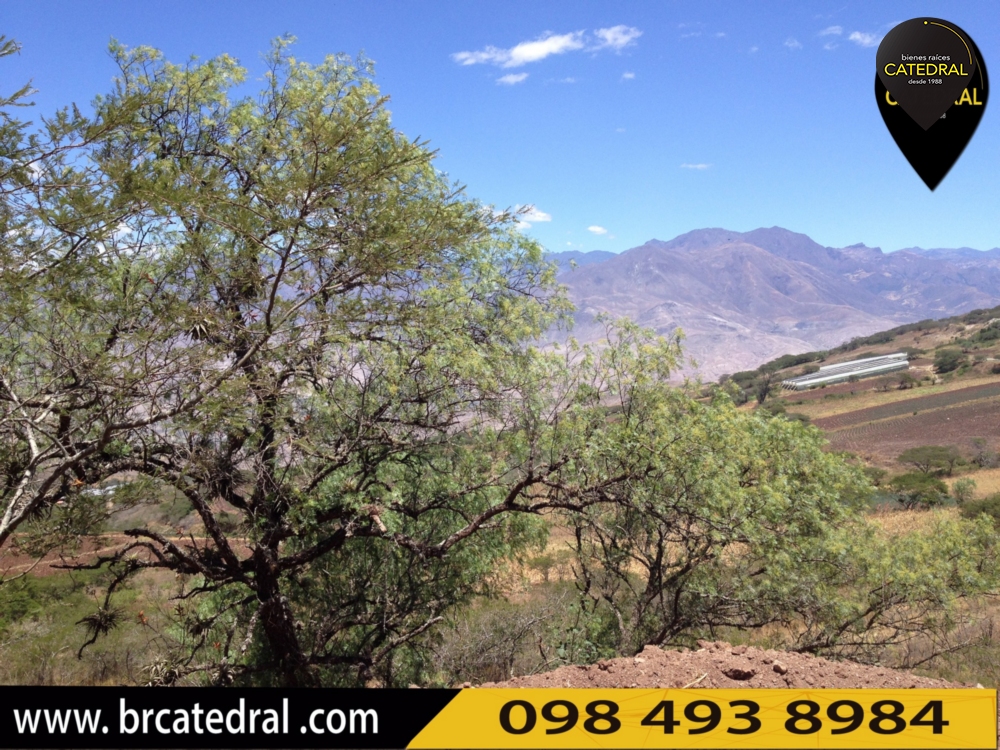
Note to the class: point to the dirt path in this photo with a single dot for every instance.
(13, 563)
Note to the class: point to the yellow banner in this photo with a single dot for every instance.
(642, 718)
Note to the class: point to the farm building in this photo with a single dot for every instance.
(859, 368)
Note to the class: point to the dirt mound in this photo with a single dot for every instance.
(719, 665)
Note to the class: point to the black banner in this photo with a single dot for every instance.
(109, 717)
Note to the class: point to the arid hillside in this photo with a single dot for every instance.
(744, 298)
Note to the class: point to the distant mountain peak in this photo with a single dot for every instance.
(743, 298)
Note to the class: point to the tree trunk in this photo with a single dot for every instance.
(279, 627)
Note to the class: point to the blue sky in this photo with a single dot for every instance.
(618, 122)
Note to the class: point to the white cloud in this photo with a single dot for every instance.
(525, 52)
(719, 34)
(864, 39)
(617, 37)
(628, 76)
(512, 79)
(534, 215)
(488, 55)
(793, 43)
(690, 34)
(832, 31)
(754, 49)
(619, 130)
(695, 166)
(554, 44)
(830, 46)
(614, 38)
(597, 230)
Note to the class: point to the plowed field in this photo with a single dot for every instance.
(908, 406)
(959, 425)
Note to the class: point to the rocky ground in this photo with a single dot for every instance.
(717, 664)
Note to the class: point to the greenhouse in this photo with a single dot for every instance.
(839, 373)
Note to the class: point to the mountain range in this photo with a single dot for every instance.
(745, 298)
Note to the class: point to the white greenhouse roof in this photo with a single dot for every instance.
(858, 368)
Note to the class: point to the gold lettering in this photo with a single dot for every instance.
(965, 98)
(889, 101)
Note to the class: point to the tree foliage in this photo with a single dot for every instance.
(932, 458)
(745, 523)
(918, 489)
(947, 360)
(276, 307)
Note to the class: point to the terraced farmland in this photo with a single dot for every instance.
(910, 405)
(960, 425)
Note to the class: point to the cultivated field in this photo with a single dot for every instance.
(959, 425)
(916, 403)
(840, 399)
(960, 417)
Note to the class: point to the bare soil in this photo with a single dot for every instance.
(959, 425)
(717, 664)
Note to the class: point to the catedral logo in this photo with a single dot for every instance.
(931, 88)
(925, 69)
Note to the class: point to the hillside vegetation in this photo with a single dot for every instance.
(951, 391)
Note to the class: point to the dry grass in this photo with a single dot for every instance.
(987, 482)
(897, 522)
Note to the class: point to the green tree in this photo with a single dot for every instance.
(964, 490)
(932, 458)
(726, 497)
(766, 382)
(875, 474)
(987, 506)
(280, 310)
(917, 489)
(947, 360)
(739, 521)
